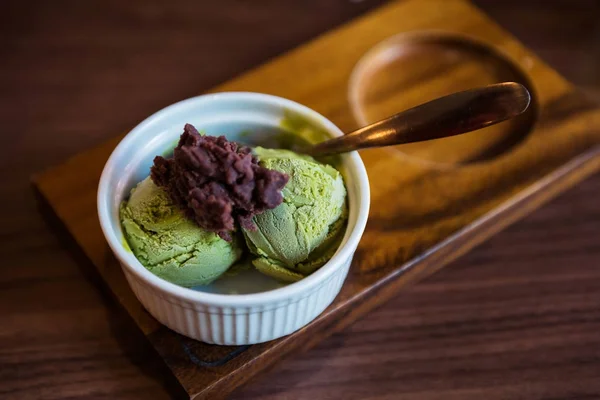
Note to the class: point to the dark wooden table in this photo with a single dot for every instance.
(519, 317)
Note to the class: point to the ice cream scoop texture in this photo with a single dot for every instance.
(171, 245)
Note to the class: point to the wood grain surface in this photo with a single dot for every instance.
(415, 205)
(62, 93)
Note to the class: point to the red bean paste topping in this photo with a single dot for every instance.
(217, 182)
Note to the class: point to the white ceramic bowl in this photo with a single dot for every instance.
(265, 310)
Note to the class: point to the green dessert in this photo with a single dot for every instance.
(183, 222)
(171, 245)
(301, 234)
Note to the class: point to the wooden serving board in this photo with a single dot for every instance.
(423, 214)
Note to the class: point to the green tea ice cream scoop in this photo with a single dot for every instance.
(170, 245)
(301, 234)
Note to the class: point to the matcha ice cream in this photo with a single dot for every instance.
(181, 222)
(301, 234)
(171, 245)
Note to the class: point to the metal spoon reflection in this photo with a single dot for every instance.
(446, 116)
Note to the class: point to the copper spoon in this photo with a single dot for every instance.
(446, 116)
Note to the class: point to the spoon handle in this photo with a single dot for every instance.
(446, 116)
